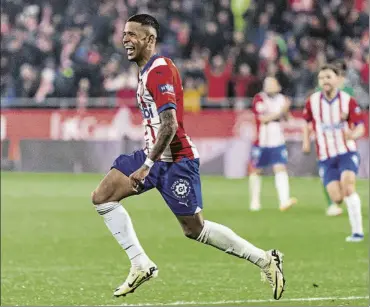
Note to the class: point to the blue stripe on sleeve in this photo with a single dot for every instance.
(166, 106)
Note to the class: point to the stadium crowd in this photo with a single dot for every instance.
(224, 48)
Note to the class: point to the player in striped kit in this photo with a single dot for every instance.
(169, 163)
(333, 209)
(270, 107)
(337, 122)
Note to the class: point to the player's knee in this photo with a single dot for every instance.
(192, 232)
(348, 190)
(279, 168)
(98, 198)
(348, 183)
(336, 197)
(256, 171)
(192, 225)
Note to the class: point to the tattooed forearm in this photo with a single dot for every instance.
(166, 133)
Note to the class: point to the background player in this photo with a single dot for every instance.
(333, 208)
(333, 113)
(169, 163)
(270, 107)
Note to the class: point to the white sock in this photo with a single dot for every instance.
(119, 223)
(282, 187)
(353, 203)
(225, 239)
(255, 189)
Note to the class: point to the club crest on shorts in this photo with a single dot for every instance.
(355, 160)
(181, 188)
(284, 154)
(321, 172)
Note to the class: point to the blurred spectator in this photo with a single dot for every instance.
(214, 39)
(4, 72)
(5, 26)
(239, 9)
(365, 72)
(28, 82)
(218, 76)
(127, 93)
(243, 81)
(305, 79)
(114, 79)
(46, 87)
(193, 92)
(249, 55)
(301, 5)
(82, 96)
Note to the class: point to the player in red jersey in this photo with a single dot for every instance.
(169, 163)
(337, 122)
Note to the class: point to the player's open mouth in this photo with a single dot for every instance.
(130, 50)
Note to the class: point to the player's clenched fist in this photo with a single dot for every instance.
(306, 148)
(137, 178)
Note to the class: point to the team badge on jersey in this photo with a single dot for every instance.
(181, 188)
(166, 88)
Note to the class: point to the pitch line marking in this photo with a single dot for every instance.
(302, 299)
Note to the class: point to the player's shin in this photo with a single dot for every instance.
(327, 197)
(282, 187)
(353, 203)
(225, 239)
(255, 191)
(119, 223)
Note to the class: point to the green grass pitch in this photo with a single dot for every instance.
(56, 249)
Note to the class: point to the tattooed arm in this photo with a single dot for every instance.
(166, 132)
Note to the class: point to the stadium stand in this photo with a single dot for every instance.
(224, 48)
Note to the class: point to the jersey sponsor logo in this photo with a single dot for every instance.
(357, 110)
(181, 188)
(331, 127)
(147, 112)
(166, 88)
